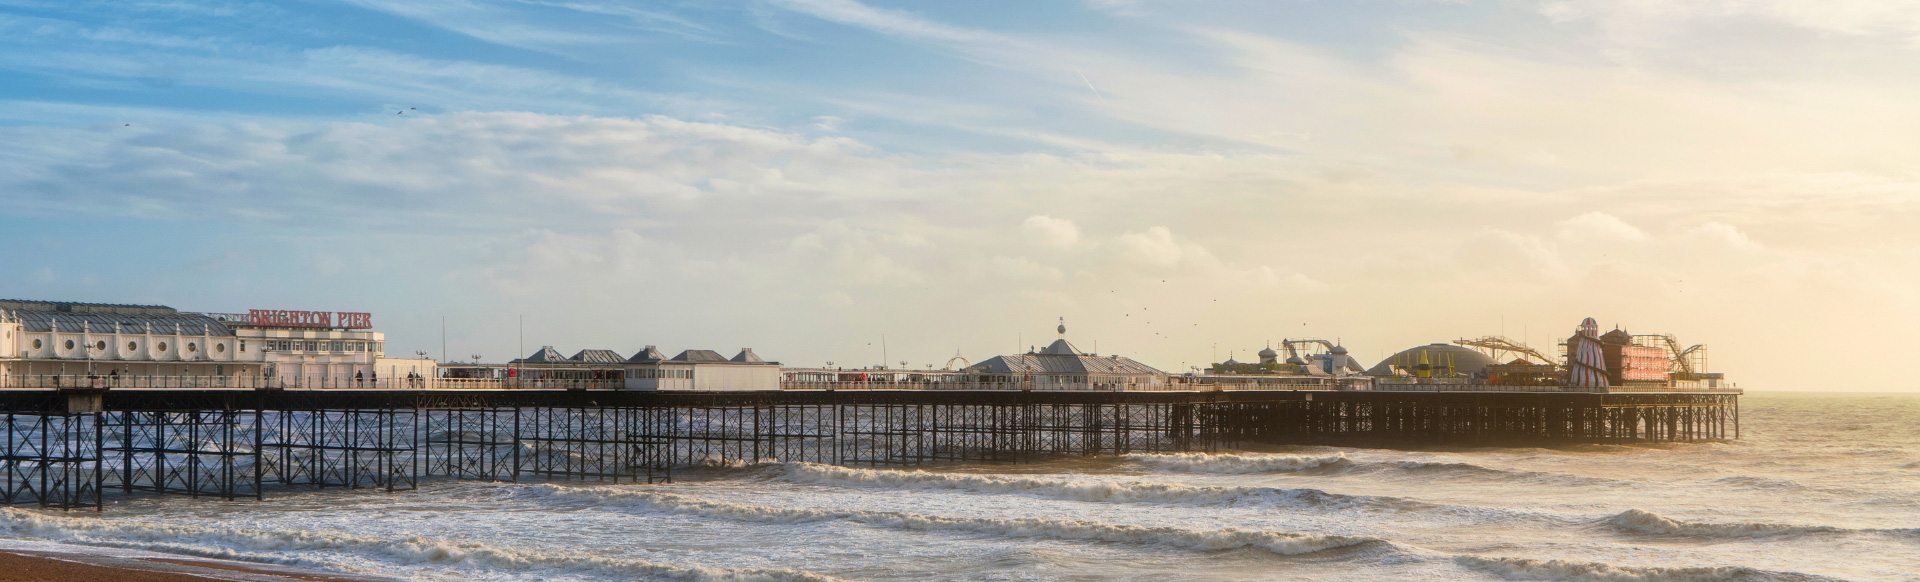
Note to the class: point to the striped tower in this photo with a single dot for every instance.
(1586, 364)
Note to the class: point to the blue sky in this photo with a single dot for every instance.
(807, 176)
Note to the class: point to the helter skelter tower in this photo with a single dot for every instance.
(1586, 363)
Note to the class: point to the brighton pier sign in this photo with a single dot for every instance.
(326, 319)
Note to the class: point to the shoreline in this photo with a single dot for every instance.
(45, 561)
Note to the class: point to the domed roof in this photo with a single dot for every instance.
(1465, 360)
(1338, 350)
(1296, 360)
(1269, 353)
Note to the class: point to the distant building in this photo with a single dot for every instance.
(1628, 363)
(546, 368)
(156, 345)
(1306, 357)
(1060, 366)
(1433, 361)
(701, 370)
(647, 369)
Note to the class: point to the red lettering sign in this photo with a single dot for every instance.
(321, 319)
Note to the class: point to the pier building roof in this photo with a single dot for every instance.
(106, 318)
(699, 356)
(598, 357)
(647, 355)
(1463, 360)
(1061, 357)
(546, 355)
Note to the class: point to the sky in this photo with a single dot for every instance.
(859, 183)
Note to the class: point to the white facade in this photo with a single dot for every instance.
(702, 370)
(703, 376)
(66, 348)
(73, 344)
(317, 358)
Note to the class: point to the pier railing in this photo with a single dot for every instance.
(142, 382)
(1177, 384)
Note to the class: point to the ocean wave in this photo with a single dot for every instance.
(1094, 491)
(1239, 464)
(1527, 569)
(1286, 544)
(251, 545)
(1753, 482)
(1231, 464)
(1647, 522)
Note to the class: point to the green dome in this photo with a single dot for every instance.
(1465, 360)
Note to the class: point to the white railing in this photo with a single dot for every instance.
(954, 385)
(136, 382)
(1465, 387)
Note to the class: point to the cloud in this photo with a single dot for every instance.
(1850, 17)
(1050, 231)
(1156, 247)
(497, 23)
(1598, 226)
(1723, 235)
(656, 229)
(892, 22)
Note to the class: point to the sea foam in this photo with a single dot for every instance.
(1230, 464)
(248, 544)
(1067, 529)
(1529, 569)
(1242, 464)
(1646, 522)
(1086, 490)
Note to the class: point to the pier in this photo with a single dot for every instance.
(76, 447)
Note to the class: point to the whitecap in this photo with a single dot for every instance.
(1287, 544)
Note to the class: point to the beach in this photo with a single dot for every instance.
(1821, 487)
(90, 565)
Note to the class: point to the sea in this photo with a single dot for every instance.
(1821, 486)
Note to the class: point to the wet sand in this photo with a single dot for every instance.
(49, 566)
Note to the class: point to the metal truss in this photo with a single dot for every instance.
(226, 447)
(342, 448)
(52, 460)
(194, 452)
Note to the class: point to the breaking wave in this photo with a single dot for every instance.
(250, 545)
(1238, 464)
(1647, 522)
(1286, 544)
(1765, 483)
(1094, 491)
(1527, 569)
